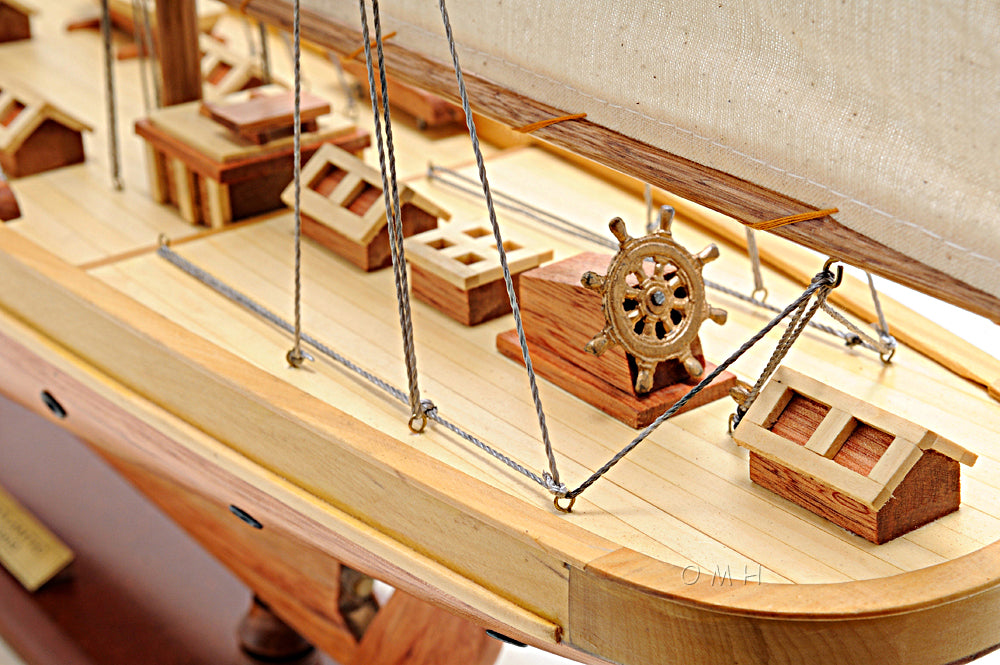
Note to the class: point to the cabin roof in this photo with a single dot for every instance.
(241, 68)
(894, 447)
(333, 180)
(22, 7)
(22, 111)
(465, 254)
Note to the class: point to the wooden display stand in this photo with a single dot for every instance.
(456, 269)
(560, 316)
(858, 466)
(225, 71)
(215, 176)
(342, 209)
(428, 109)
(15, 20)
(35, 135)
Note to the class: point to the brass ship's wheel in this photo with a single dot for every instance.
(653, 299)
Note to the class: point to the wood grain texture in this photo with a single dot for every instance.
(682, 632)
(259, 116)
(634, 411)
(291, 561)
(407, 631)
(909, 327)
(611, 595)
(929, 491)
(469, 307)
(176, 30)
(376, 254)
(49, 146)
(562, 316)
(249, 181)
(8, 203)
(15, 23)
(429, 110)
(741, 200)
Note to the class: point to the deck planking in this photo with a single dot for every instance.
(682, 497)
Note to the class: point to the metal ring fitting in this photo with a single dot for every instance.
(840, 271)
(763, 291)
(568, 508)
(417, 422)
(295, 357)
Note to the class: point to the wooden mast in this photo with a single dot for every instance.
(180, 63)
(744, 201)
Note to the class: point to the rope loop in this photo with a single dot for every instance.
(568, 508)
(418, 422)
(822, 274)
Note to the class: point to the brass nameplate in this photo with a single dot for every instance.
(29, 551)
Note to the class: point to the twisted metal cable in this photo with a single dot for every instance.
(111, 100)
(390, 194)
(823, 280)
(295, 357)
(442, 174)
(253, 306)
(152, 54)
(553, 472)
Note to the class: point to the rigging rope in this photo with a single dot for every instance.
(295, 357)
(553, 473)
(112, 102)
(142, 51)
(754, 254)
(248, 303)
(562, 225)
(152, 55)
(265, 54)
(825, 280)
(821, 285)
(390, 193)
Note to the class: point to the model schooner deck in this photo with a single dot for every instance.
(673, 555)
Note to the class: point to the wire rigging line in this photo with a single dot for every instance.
(884, 346)
(112, 102)
(295, 356)
(390, 193)
(553, 472)
(251, 305)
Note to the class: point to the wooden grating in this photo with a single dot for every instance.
(341, 194)
(863, 448)
(846, 443)
(799, 419)
(22, 112)
(465, 255)
(225, 71)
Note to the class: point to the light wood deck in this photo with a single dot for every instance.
(683, 497)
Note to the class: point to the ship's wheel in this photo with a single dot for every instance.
(653, 299)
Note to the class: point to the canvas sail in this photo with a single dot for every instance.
(889, 112)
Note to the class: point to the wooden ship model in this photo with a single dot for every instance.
(308, 482)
